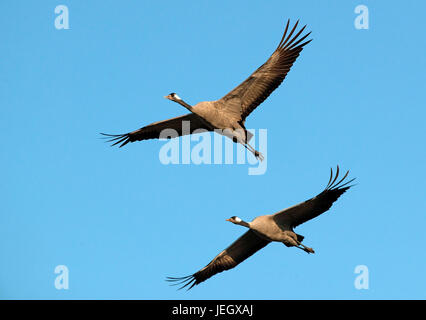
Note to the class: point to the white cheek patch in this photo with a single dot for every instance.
(177, 97)
(238, 219)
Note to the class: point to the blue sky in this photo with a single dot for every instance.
(121, 221)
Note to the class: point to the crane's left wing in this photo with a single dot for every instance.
(156, 129)
(248, 244)
(242, 100)
(315, 206)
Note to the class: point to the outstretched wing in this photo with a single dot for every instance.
(248, 244)
(154, 130)
(312, 208)
(242, 100)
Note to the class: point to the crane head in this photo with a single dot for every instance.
(173, 97)
(234, 219)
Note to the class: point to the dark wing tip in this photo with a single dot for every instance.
(187, 281)
(117, 138)
(288, 42)
(333, 185)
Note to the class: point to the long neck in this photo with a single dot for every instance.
(244, 224)
(183, 103)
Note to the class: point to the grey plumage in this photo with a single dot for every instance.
(278, 227)
(230, 112)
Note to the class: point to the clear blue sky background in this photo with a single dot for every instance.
(121, 221)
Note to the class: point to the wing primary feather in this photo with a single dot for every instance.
(174, 279)
(184, 281)
(336, 185)
(289, 36)
(110, 136)
(335, 178)
(117, 138)
(189, 281)
(114, 139)
(285, 32)
(346, 183)
(120, 141)
(299, 41)
(288, 45)
(193, 284)
(331, 177)
(304, 44)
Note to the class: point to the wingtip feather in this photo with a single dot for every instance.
(117, 139)
(186, 281)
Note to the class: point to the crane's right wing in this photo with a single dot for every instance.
(243, 99)
(315, 206)
(154, 130)
(248, 244)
